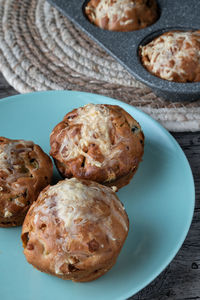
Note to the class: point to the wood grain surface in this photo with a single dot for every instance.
(181, 279)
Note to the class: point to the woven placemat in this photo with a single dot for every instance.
(41, 50)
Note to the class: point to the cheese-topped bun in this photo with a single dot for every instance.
(122, 15)
(98, 142)
(174, 56)
(75, 230)
(24, 171)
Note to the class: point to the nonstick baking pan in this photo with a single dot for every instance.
(124, 46)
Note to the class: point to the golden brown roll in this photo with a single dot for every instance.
(98, 142)
(75, 230)
(173, 56)
(122, 15)
(24, 171)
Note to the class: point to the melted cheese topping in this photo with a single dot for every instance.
(168, 53)
(71, 200)
(96, 126)
(114, 10)
(11, 162)
(7, 214)
(11, 159)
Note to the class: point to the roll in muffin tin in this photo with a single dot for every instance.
(124, 46)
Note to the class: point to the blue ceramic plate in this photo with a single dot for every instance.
(159, 202)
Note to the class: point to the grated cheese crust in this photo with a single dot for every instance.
(122, 15)
(174, 56)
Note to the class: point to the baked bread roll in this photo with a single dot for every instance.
(24, 171)
(98, 142)
(122, 15)
(75, 230)
(174, 56)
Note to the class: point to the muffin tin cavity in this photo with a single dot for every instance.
(173, 56)
(124, 46)
(123, 15)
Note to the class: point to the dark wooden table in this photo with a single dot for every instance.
(181, 279)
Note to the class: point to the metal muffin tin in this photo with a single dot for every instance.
(124, 46)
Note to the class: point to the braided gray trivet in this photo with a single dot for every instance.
(41, 50)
